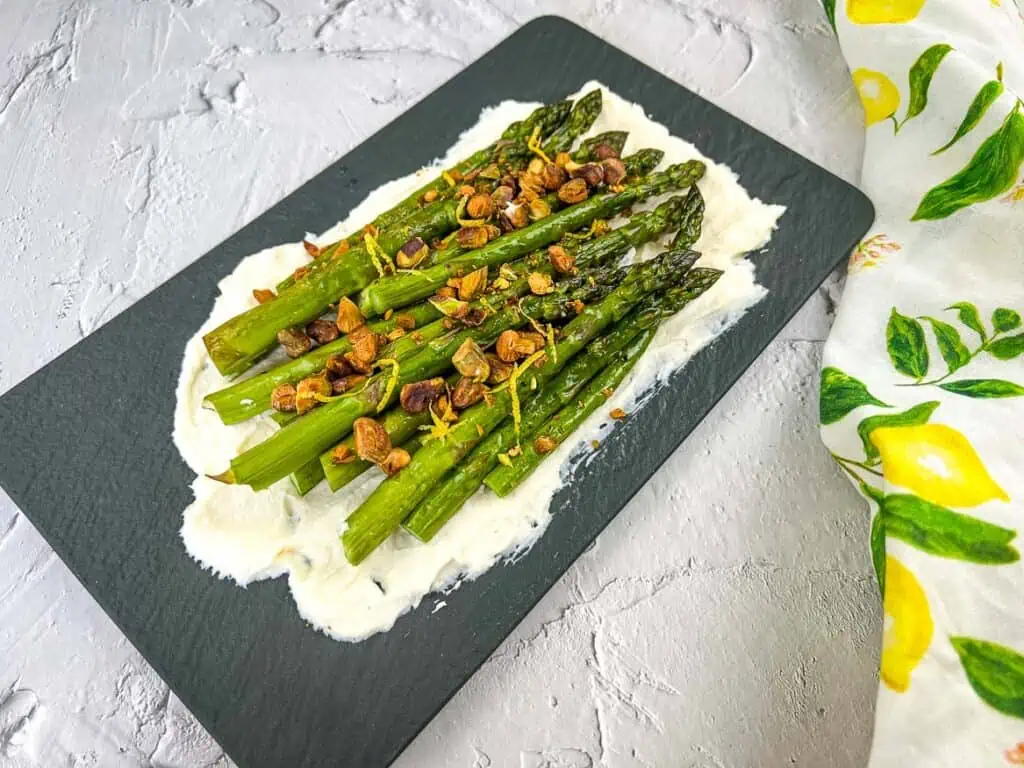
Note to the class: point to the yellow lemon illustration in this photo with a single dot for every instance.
(880, 97)
(908, 625)
(882, 11)
(937, 463)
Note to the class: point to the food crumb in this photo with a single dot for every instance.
(618, 414)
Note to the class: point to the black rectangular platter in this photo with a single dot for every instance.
(272, 691)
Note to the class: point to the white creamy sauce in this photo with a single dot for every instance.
(247, 536)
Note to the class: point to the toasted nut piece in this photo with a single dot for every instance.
(312, 249)
(562, 159)
(554, 176)
(600, 227)
(493, 232)
(283, 398)
(539, 209)
(396, 333)
(454, 282)
(536, 165)
(456, 175)
(467, 392)
(300, 273)
(506, 346)
(307, 391)
(502, 196)
(388, 313)
(358, 364)
(446, 292)
(263, 295)
(577, 306)
(417, 396)
(605, 152)
(322, 331)
(416, 336)
(337, 366)
(472, 237)
(405, 321)
(544, 444)
(347, 383)
(518, 215)
(465, 190)
(500, 370)
(618, 414)
(491, 172)
(572, 192)
(560, 259)
(448, 323)
(469, 360)
(474, 317)
(342, 454)
(472, 284)
(614, 171)
(396, 460)
(480, 206)
(349, 316)
(591, 173)
(295, 341)
(364, 344)
(531, 185)
(372, 441)
(430, 196)
(412, 253)
(540, 283)
(529, 342)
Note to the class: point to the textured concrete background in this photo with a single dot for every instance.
(727, 618)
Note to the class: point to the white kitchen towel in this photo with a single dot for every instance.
(922, 390)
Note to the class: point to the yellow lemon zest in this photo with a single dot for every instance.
(878, 94)
(909, 627)
(937, 463)
(883, 11)
(533, 144)
(392, 382)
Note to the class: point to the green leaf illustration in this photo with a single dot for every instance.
(984, 99)
(1004, 320)
(995, 672)
(1007, 348)
(951, 346)
(945, 533)
(921, 74)
(913, 417)
(990, 172)
(878, 551)
(841, 393)
(908, 351)
(968, 314)
(830, 11)
(983, 389)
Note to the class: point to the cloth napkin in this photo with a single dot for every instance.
(922, 387)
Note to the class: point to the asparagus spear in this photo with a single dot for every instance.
(307, 477)
(385, 509)
(306, 438)
(403, 289)
(693, 220)
(584, 113)
(503, 479)
(401, 427)
(461, 483)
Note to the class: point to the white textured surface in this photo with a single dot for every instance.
(726, 618)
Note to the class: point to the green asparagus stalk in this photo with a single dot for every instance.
(614, 139)
(693, 220)
(403, 289)
(305, 438)
(545, 118)
(504, 479)
(584, 113)
(389, 504)
(401, 427)
(462, 482)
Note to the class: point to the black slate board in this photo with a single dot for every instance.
(272, 691)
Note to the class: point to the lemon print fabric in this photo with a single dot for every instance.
(937, 463)
(883, 11)
(908, 625)
(878, 94)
